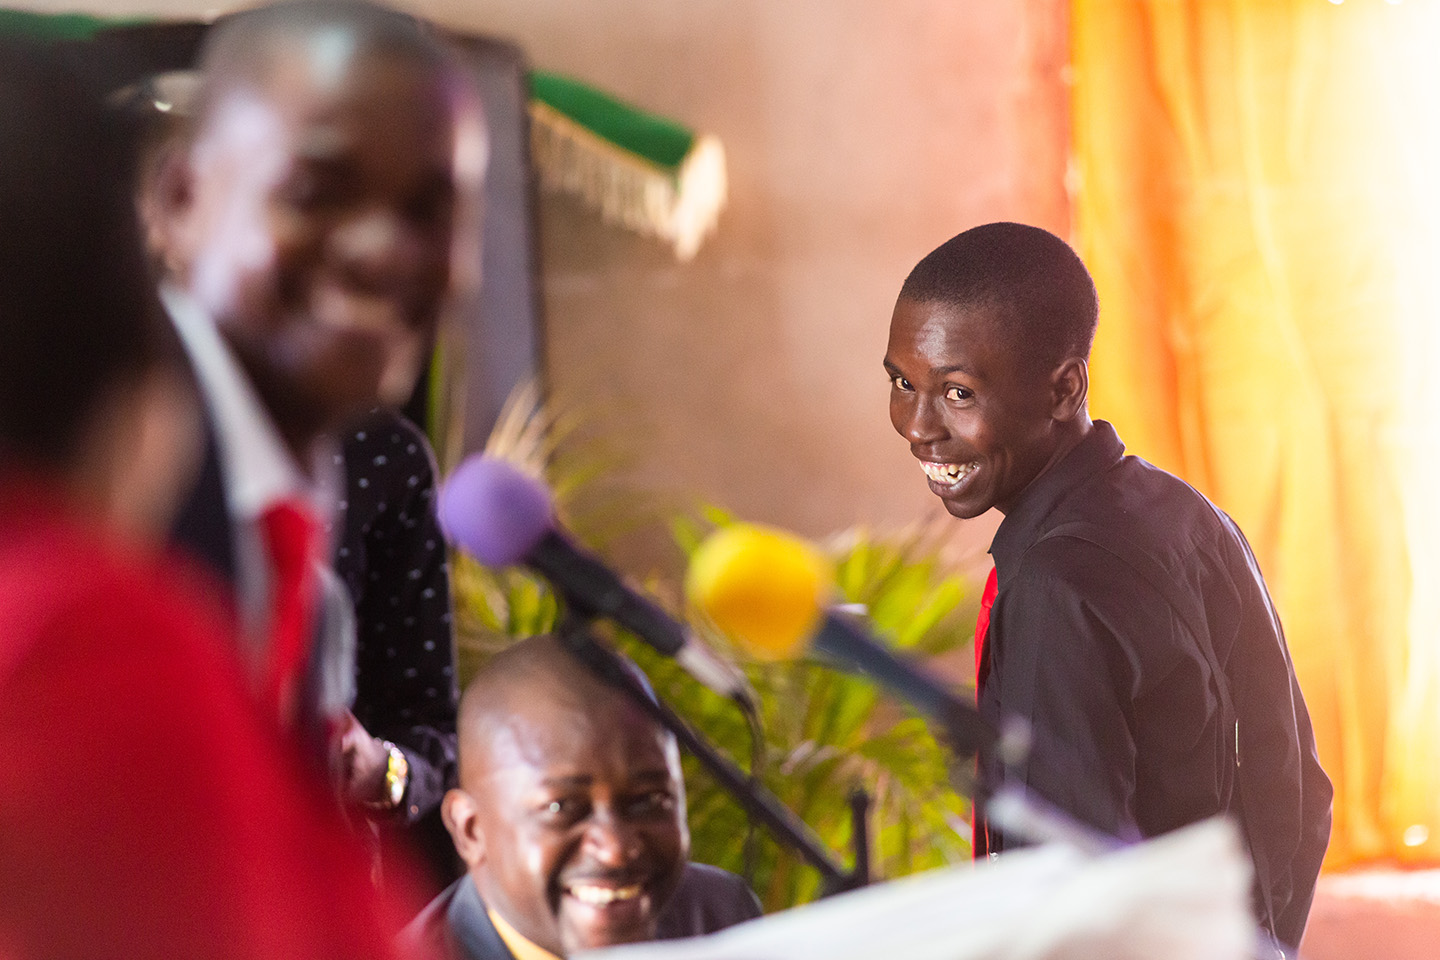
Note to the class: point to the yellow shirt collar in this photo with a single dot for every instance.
(522, 948)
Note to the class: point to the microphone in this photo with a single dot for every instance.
(767, 590)
(504, 517)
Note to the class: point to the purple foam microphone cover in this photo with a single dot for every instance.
(495, 512)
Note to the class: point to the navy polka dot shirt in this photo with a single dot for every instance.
(392, 557)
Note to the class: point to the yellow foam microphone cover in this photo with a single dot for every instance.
(764, 588)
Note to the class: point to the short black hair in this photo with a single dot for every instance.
(1027, 278)
(79, 315)
(243, 47)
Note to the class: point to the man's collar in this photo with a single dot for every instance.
(1098, 450)
(257, 466)
(520, 946)
(479, 931)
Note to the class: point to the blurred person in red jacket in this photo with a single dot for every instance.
(147, 808)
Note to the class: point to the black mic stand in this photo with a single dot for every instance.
(1020, 814)
(575, 634)
(964, 733)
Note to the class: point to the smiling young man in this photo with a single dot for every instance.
(1130, 625)
(571, 819)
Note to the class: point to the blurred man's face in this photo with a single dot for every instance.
(314, 226)
(580, 813)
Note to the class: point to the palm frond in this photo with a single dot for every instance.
(825, 733)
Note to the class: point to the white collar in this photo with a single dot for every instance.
(258, 468)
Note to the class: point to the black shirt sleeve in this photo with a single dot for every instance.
(393, 559)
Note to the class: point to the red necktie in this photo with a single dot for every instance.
(981, 846)
(982, 626)
(291, 533)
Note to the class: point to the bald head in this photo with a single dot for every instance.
(536, 676)
(571, 811)
(250, 48)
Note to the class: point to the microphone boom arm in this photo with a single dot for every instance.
(961, 728)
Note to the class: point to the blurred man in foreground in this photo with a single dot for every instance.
(305, 224)
(1130, 624)
(571, 818)
(146, 809)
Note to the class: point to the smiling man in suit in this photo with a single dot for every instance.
(305, 217)
(570, 816)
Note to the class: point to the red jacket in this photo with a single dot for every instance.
(146, 810)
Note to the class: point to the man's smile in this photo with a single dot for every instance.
(602, 894)
(600, 911)
(948, 474)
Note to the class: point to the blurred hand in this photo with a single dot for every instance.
(359, 761)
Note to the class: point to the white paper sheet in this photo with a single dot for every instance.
(1184, 896)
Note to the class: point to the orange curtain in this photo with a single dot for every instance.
(1256, 196)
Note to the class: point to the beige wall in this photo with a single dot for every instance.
(860, 134)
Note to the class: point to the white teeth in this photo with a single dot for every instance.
(600, 896)
(949, 473)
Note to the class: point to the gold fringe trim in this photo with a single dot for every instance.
(680, 208)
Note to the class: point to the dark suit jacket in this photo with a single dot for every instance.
(202, 525)
(203, 530)
(456, 926)
(390, 543)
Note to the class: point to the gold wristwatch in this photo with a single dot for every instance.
(397, 778)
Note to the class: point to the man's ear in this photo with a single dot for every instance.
(462, 819)
(165, 197)
(1070, 386)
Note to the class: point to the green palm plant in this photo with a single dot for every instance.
(828, 733)
(825, 733)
